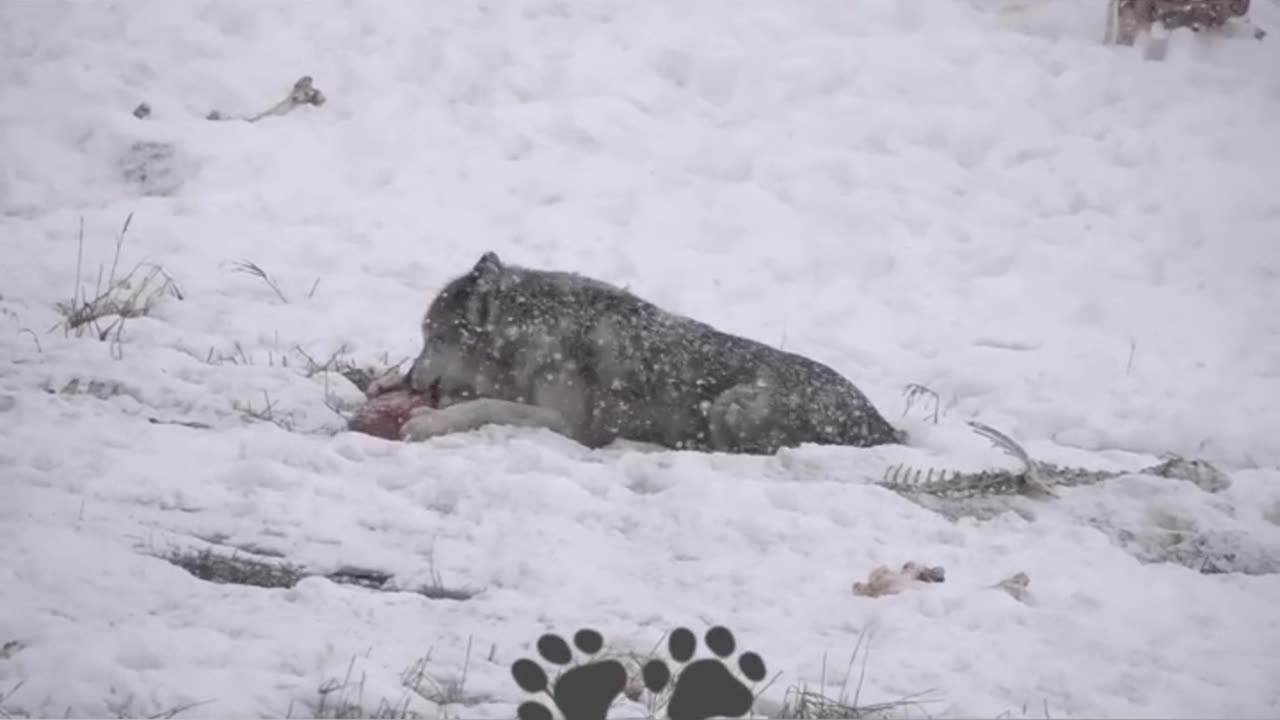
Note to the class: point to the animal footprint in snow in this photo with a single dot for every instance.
(704, 688)
(584, 692)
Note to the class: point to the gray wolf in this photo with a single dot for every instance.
(538, 348)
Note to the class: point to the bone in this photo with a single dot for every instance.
(303, 93)
(882, 581)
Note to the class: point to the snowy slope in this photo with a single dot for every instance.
(1064, 241)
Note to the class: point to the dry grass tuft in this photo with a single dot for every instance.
(441, 691)
(5, 710)
(913, 392)
(808, 704)
(248, 267)
(363, 375)
(22, 329)
(340, 361)
(175, 710)
(115, 298)
(804, 703)
(235, 568)
(257, 568)
(268, 412)
(345, 698)
(435, 589)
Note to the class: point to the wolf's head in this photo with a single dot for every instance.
(458, 335)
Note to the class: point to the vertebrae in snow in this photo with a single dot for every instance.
(1035, 479)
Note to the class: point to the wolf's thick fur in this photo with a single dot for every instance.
(512, 345)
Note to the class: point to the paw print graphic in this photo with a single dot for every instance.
(704, 688)
(583, 692)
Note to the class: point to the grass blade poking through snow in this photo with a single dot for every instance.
(804, 703)
(249, 267)
(118, 298)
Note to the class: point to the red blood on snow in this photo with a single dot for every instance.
(384, 415)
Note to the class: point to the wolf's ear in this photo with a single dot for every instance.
(486, 280)
(488, 269)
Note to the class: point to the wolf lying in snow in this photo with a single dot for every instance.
(518, 346)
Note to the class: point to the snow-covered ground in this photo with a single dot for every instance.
(1077, 246)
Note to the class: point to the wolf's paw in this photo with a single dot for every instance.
(584, 692)
(425, 423)
(705, 688)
